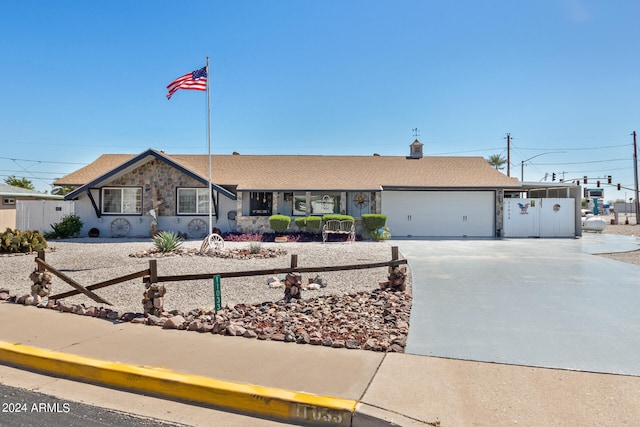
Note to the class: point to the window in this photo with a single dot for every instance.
(126, 200)
(325, 203)
(260, 203)
(193, 201)
(321, 203)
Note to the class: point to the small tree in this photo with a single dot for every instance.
(21, 182)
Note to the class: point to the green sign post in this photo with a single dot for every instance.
(217, 295)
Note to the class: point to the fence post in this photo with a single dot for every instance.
(294, 261)
(153, 271)
(41, 269)
(394, 253)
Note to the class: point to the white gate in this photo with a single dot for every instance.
(40, 214)
(539, 218)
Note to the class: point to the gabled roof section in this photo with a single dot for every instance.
(310, 173)
(7, 190)
(109, 165)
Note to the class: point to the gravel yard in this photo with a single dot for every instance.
(92, 260)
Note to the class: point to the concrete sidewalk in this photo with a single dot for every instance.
(306, 384)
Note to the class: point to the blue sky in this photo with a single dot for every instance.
(344, 77)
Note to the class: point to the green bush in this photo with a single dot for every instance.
(279, 223)
(372, 222)
(382, 233)
(301, 222)
(314, 223)
(16, 241)
(69, 226)
(339, 217)
(167, 241)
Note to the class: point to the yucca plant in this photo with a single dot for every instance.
(167, 241)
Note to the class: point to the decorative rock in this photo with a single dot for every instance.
(154, 320)
(174, 322)
(277, 337)
(139, 320)
(395, 348)
(303, 338)
(64, 307)
(289, 336)
(196, 325)
(250, 334)
(327, 342)
(4, 295)
(338, 344)
(352, 344)
(235, 330)
(129, 316)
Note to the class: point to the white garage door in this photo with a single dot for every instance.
(440, 213)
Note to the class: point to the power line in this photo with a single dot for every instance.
(581, 163)
(578, 149)
(42, 161)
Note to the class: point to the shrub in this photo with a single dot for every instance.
(314, 223)
(255, 248)
(301, 222)
(339, 217)
(382, 233)
(279, 223)
(373, 222)
(69, 226)
(16, 241)
(167, 241)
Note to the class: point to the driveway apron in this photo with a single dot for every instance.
(534, 302)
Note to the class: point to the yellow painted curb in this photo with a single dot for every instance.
(252, 399)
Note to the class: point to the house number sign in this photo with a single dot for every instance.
(217, 295)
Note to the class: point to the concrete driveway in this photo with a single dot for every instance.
(534, 302)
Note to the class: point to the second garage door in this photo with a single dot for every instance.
(440, 213)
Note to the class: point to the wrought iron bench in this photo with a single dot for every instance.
(334, 226)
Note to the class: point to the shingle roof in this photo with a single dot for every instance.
(307, 172)
(13, 191)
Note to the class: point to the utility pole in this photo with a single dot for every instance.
(635, 173)
(508, 154)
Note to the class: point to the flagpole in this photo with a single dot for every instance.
(209, 148)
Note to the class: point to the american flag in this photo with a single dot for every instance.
(195, 80)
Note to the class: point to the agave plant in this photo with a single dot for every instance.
(167, 241)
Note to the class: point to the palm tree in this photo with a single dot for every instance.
(496, 160)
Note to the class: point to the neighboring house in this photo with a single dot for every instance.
(421, 195)
(12, 196)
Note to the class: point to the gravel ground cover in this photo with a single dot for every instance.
(632, 257)
(92, 260)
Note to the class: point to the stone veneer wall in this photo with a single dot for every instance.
(164, 177)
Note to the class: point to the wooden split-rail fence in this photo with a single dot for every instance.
(151, 274)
